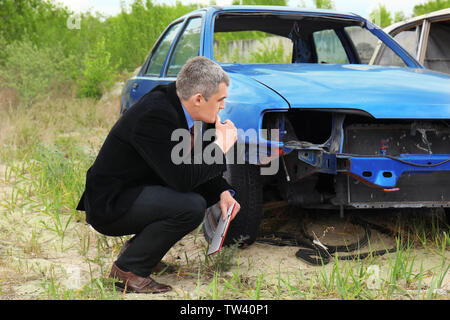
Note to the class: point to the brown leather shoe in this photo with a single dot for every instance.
(160, 268)
(134, 283)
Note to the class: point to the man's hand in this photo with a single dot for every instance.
(226, 201)
(226, 134)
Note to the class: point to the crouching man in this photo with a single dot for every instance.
(134, 187)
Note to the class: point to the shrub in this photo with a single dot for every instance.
(32, 70)
(98, 73)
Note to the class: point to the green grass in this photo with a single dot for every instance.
(45, 152)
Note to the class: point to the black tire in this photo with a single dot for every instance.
(245, 180)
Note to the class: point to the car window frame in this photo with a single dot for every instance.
(423, 41)
(200, 15)
(213, 16)
(378, 53)
(349, 46)
(158, 42)
(418, 30)
(384, 37)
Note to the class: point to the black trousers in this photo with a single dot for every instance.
(158, 218)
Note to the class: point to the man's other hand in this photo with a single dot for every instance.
(226, 201)
(226, 134)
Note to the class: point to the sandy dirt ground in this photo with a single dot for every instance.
(32, 257)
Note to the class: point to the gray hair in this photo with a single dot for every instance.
(200, 75)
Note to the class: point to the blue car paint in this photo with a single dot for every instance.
(381, 172)
(382, 92)
(385, 172)
(245, 104)
(406, 93)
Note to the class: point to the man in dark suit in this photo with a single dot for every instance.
(134, 186)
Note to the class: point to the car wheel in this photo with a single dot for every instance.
(245, 180)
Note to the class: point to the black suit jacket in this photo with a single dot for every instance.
(137, 153)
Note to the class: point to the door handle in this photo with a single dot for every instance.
(135, 85)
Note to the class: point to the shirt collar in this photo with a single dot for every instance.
(189, 120)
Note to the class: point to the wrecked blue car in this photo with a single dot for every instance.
(352, 130)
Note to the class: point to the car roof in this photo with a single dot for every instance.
(257, 8)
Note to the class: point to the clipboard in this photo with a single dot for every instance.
(220, 232)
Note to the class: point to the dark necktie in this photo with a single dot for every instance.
(192, 137)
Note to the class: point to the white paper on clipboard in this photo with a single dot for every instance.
(220, 232)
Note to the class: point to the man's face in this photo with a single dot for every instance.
(208, 109)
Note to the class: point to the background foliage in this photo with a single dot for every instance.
(41, 54)
(41, 51)
(431, 6)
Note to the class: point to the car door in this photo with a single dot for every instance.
(151, 73)
(180, 42)
(187, 46)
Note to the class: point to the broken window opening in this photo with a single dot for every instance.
(278, 38)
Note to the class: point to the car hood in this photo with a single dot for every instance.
(383, 92)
